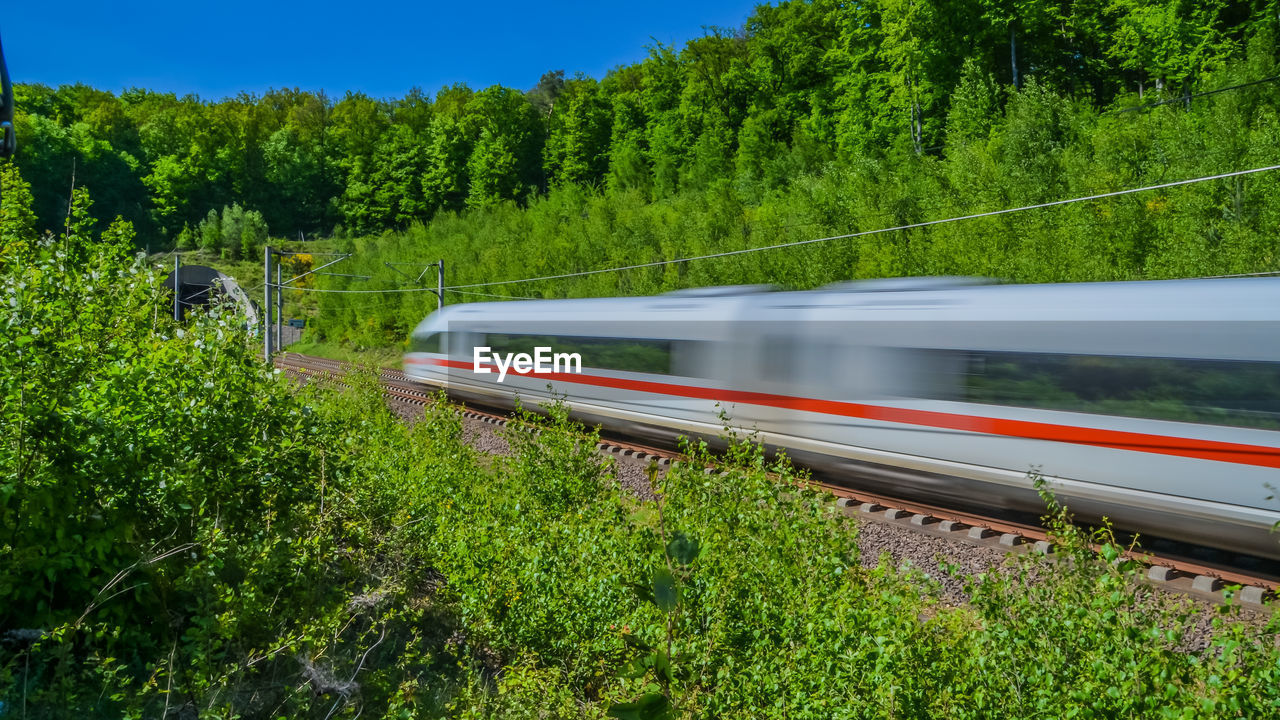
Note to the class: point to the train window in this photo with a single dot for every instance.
(776, 355)
(689, 358)
(1214, 392)
(606, 353)
(430, 343)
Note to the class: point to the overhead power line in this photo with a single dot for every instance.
(1188, 98)
(389, 290)
(504, 297)
(458, 289)
(864, 233)
(1269, 273)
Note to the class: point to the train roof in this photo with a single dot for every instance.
(939, 299)
(1250, 298)
(645, 316)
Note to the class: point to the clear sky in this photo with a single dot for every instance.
(379, 48)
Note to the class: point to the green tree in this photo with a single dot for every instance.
(232, 230)
(545, 94)
(295, 169)
(17, 216)
(506, 162)
(492, 169)
(210, 230)
(452, 137)
(628, 142)
(864, 121)
(187, 238)
(975, 105)
(399, 165)
(577, 146)
(80, 221)
(388, 190)
(1169, 42)
(172, 181)
(254, 234)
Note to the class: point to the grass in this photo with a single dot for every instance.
(382, 357)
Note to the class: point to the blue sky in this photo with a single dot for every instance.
(380, 48)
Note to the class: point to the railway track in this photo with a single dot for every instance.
(1176, 569)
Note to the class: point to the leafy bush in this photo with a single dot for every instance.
(179, 530)
(183, 531)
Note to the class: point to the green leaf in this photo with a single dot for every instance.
(1110, 552)
(682, 549)
(642, 591)
(662, 664)
(636, 642)
(650, 706)
(633, 669)
(664, 590)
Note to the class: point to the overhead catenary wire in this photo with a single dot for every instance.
(755, 222)
(388, 290)
(797, 243)
(1268, 273)
(504, 297)
(1188, 98)
(864, 233)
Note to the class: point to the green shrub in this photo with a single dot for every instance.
(183, 530)
(180, 530)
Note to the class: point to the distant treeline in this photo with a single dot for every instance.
(800, 89)
(997, 146)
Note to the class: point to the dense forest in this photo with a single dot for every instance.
(814, 118)
(798, 86)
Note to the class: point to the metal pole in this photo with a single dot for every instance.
(440, 285)
(177, 275)
(279, 310)
(266, 303)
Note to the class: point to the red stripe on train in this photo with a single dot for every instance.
(1260, 455)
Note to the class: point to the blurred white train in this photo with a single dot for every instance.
(1156, 404)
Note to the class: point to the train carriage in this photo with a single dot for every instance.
(1156, 404)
